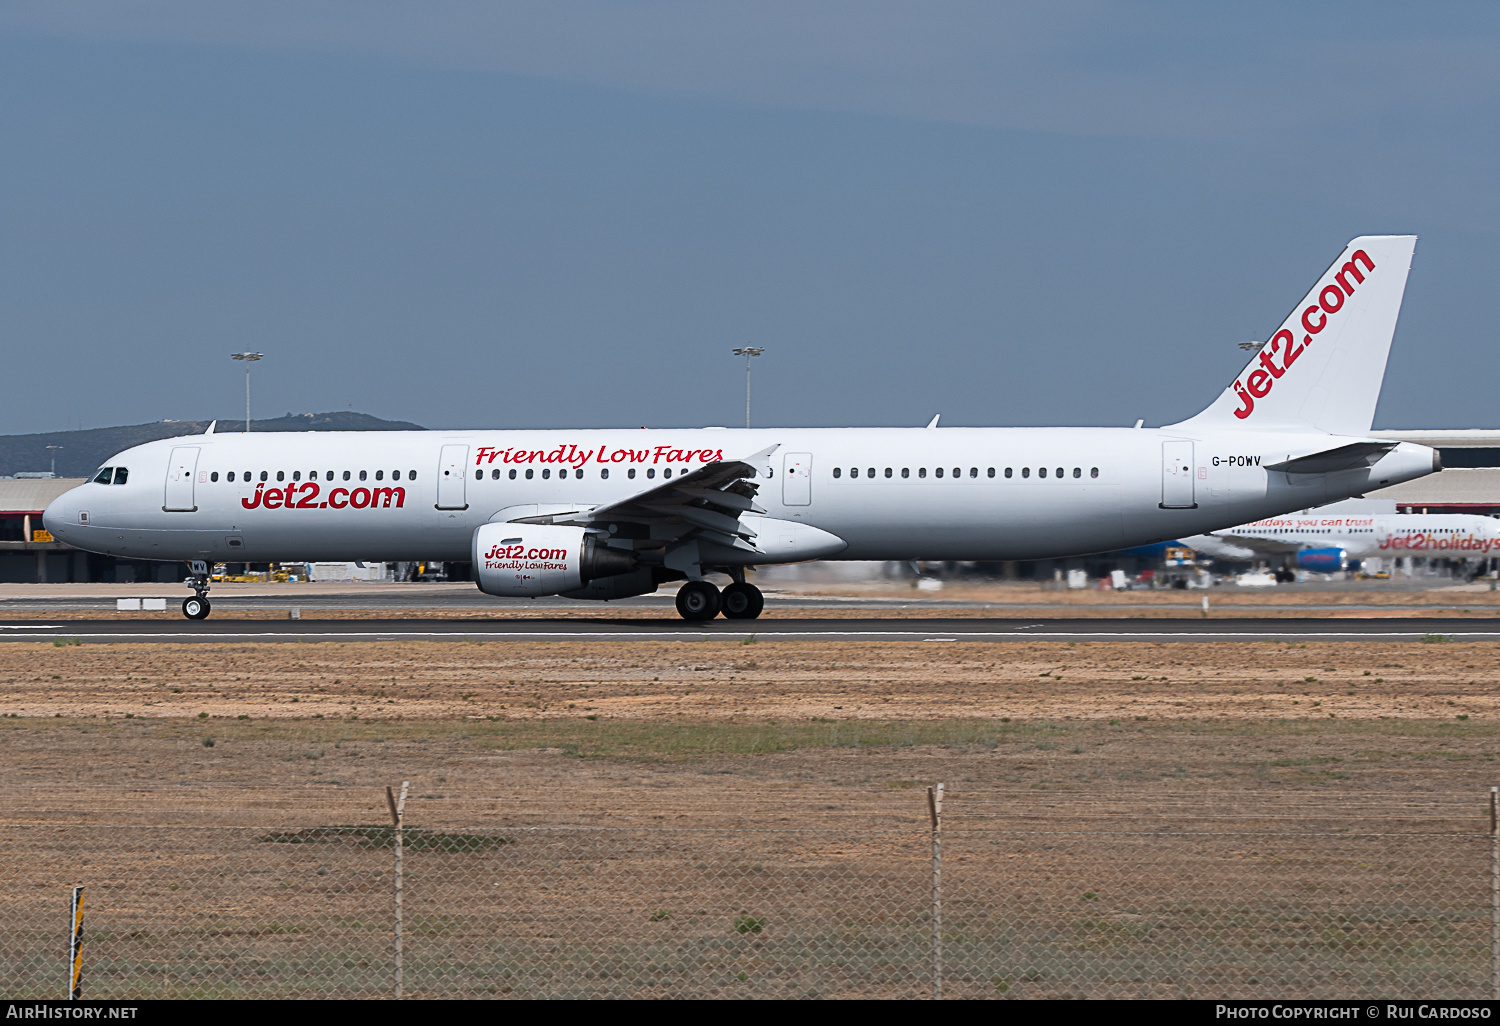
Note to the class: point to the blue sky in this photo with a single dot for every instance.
(566, 214)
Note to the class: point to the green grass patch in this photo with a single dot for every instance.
(413, 839)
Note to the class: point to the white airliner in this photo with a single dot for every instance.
(1328, 539)
(609, 514)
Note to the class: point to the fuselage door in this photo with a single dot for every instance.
(1177, 475)
(182, 470)
(796, 480)
(453, 465)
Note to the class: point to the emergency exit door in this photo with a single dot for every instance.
(796, 479)
(453, 465)
(1177, 475)
(182, 471)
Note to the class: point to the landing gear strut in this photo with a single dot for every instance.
(197, 607)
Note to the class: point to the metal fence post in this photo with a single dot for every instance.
(75, 948)
(935, 811)
(398, 807)
(1495, 893)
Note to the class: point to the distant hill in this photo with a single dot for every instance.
(84, 451)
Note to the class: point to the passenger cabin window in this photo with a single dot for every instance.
(667, 472)
(529, 472)
(1007, 472)
(921, 471)
(380, 475)
(974, 472)
(906, 472)
(411, 475)
(870, 473)
(265, 475)
(346, 475)
(229, 476)
(396, 475)
(361, 475)
(1059, 471)
(604, 474)
(296, 475)
(887, 471)
(1025, 471)
(1093, 472)
(938, 472)
(281, 475)
(1077, 471)
(479, 475)
(214, 476)
(495, 474)
(547, 474)
(992, 472)
(651, 472)
(630, 473)
(104, 475)
(1040, 472)
(512, 474)
(838, 472)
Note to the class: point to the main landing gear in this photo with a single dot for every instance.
(197, 607)
(699, 600)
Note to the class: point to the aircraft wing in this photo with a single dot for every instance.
(706, 503)
(1226, 545)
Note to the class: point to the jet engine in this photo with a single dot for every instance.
(527, 560)
(1328, 560)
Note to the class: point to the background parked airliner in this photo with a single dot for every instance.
(1328, 539)
(608, 514)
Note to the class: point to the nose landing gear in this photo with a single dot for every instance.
(197, 607)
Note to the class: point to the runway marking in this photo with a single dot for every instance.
(1245, 635)
(31, 627)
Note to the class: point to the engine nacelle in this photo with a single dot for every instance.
(1327, 560)
(526, 560)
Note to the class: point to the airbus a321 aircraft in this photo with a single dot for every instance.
(1328, 540)
(609, 514)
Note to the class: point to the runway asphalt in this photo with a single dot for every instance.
(672, 629)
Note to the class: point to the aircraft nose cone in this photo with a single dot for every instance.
(61, 515)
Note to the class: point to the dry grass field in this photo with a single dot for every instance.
(1248, 819)
(708, 733)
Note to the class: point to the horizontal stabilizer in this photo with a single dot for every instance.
(1355, 456)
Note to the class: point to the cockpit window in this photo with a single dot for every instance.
(121, 474)
(104, 475)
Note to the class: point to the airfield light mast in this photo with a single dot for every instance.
(747, 352)
(249, 358)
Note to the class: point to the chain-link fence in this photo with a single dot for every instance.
(176, 912)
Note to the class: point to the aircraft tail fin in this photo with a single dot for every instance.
(1322, 369)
